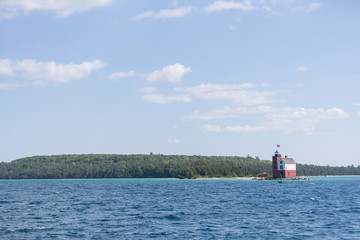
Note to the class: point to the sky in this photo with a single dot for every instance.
(205, 77)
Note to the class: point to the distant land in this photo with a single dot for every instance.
(150, 166)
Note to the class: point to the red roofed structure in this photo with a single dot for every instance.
(286, 167)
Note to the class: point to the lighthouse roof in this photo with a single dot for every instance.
(288, 160)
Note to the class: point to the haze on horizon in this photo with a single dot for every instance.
(181, 77)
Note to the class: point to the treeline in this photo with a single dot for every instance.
(149, 166)
(313, 170)
(131, 166)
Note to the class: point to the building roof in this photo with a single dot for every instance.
(288, 160)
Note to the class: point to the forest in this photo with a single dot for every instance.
(150, 166)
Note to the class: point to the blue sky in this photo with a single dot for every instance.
(227, 78)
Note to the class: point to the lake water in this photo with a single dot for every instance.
(327, 207)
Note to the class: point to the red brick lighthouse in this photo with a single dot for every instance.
(286, 167)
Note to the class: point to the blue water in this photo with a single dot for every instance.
(327, 208)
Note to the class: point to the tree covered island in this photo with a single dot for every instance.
(150, 166)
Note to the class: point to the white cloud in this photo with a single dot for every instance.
(308, 8)
(204, 89)
(268, 7)
(227, 5)
(118, 75)
(163, 99)
(147, 90)
(233, 92)
(301, 119)
(284, 120)
(359, 114)
(173, 13)
(172, 73)
(34, 72)
(146, 14)
(218, 129)
(9, 85)
(217, 114)
(175, 140)
(165, 13)
(302, 68)
(63, 8)
(228, 112)
(6, 67)
(236, 93)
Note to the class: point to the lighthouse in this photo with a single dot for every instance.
(286, 167)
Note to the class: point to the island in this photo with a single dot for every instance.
(151, 166)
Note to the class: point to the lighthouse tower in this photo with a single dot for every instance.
(275, 161)
(286, 167)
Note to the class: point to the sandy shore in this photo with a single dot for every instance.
(223, 178)
(333, 176)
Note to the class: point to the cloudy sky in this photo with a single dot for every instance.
(181, 77)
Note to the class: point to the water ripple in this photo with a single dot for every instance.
(176, 209)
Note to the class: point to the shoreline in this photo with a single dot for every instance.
(224, 178)
(333, 176)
